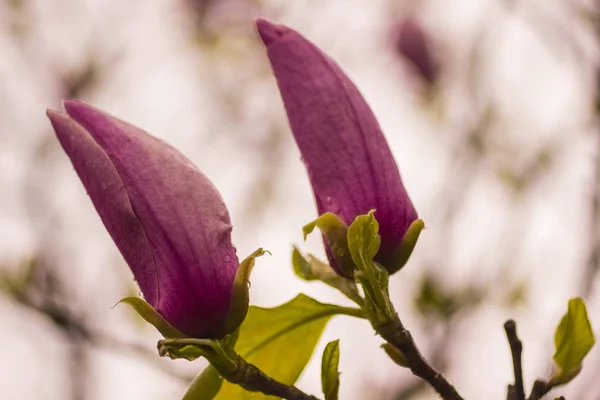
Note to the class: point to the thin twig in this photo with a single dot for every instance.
(516, 349)
(394, 332)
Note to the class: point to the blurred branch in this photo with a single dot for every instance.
(44, 293)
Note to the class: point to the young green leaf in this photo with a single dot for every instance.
(573, 340)
(281, 340)
(205, 386)
(330, 376)
(364, 240)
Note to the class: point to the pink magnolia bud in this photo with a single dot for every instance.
(164, 215)
(349, 163)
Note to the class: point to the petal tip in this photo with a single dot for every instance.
(56, 117)
(268, 31)
(52, 114)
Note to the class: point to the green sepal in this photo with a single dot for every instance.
(573, 340)
(313, 269)
(406, 247)
(240, 297)
(150, 315)
(335, 231)
(330, 376)
(395, 354)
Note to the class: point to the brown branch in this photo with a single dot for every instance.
(394, 332)
(251, 378)
(516, 349)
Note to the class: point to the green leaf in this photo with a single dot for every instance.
(281, 340)
(330, 377)
(573, 340)
(205, 386)
(152, 316)
(335, 231)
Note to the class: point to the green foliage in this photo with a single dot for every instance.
(435, 301)
(573, 341)
(330, 376)
(432, 299)
(151, 316)
(288, 332)
(205, 386)
(240, 295)
(335, 230)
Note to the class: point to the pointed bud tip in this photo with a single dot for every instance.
(70, 105)
(268, 31)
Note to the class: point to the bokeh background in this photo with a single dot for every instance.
(490, 107)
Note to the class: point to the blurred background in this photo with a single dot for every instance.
(490, 107)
